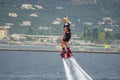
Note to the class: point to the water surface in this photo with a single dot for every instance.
(21, 65)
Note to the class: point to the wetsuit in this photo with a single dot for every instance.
(67, 35)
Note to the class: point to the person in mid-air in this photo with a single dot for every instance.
(66, 36)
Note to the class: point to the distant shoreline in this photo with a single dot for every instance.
(32, 50)
(49, 48)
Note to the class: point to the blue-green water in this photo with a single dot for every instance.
(15, 65)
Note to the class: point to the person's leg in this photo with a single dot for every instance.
(68, 48)
(68, 36)
(62, 44)
(66, 44)
(63, 47)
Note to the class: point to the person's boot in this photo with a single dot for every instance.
(68, 50)
(63, 52)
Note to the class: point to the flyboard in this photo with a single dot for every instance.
(72, 68)
(66, 55)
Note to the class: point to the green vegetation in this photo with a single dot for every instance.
(78, 15)
(98, 36)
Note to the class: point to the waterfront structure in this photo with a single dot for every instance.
(4, 31)
(43, 38)
(47, 39)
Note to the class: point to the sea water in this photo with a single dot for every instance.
(21, 65)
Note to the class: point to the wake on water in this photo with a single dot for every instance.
(74, 71)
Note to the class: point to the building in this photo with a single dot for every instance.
(26, 23)
(26, 6)
(13, 14)
(4, 32)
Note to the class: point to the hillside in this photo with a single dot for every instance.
(42, 13)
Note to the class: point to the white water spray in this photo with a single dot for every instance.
(67, 71)
(74, 71)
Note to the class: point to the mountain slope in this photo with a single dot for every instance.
(53, 9)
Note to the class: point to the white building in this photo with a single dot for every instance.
(107, 19)
(4, 32)
(33, 15)
(27, 6)
(30, 6)
(26, 23)
(56, 21)
(13, 14)
(108, 29)
(39, 6)
(9, 24)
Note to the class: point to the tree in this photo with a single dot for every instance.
(95, 33)
(101, 36)
(117, 35)
(30, 31)
(29, 38)
(108, 37)
(87, 33)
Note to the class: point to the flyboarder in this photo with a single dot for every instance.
(66, 51)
